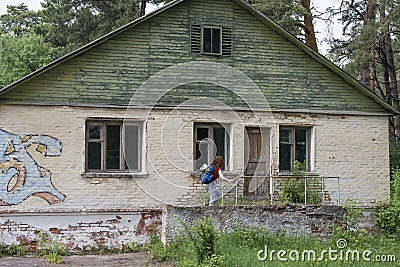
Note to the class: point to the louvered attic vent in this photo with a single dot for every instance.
(211, 40)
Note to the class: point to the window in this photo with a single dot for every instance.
(294, 145)
(212, 40)
(113, 146)
(210, 140)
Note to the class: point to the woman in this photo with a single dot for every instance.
(211, 188)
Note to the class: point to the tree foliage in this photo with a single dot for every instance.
(18, 21)
(287, 13)
(69, 25)
(370, 29)
(31, 39)
(294, 16)
(22, 50)
(21, 56)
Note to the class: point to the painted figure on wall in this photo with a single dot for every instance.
(20, 175)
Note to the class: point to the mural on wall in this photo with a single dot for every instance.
(20, 175)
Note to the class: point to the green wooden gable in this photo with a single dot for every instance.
(110, 70)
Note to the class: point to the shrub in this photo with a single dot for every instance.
(11, 250)
(298, 189)
(203, 236)
(394, 154)
(388, 214)
(157, 248)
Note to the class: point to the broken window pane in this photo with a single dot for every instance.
(202, 133)
(285, 157)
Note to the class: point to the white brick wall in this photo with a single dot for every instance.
(352, 147)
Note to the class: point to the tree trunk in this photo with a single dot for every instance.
(367, 75)
(390, 77)
(309, 31)
(394, 93)
(143, 7)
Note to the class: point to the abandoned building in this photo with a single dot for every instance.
(111, 132)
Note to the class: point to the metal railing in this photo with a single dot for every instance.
(308, 184)
(276, 185)
(221, 187)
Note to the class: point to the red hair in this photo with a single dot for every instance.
(218, 162)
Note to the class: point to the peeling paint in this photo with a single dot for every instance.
(80, 231)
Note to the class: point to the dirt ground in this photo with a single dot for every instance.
(114, 260)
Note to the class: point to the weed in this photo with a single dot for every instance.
(12, 250)
(133, 247)
(53, 258)
(353, 215)
(157, 248)
(51, 249)
(203, 236)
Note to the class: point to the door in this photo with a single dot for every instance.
(257, 163)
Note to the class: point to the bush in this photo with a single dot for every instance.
(11, 250)
(394, 154)
(297, 189)
(157, 248)
(388, 214)
(203, 235)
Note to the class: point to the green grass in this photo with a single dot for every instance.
(240, 248)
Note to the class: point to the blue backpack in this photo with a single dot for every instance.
(208, 177)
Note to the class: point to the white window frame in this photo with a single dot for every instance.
(103, 123)
(310, 148)
(227, 144)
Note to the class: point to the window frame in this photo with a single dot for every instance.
(310, 143)
(227, 142)
(103, 140)
(202, 40)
